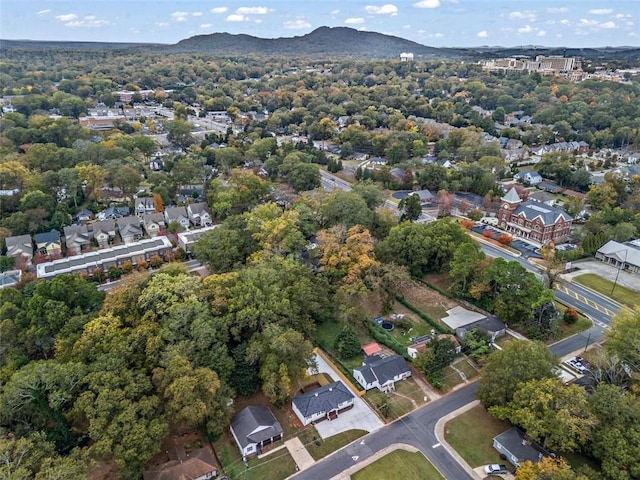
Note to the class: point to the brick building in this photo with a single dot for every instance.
(533, 220)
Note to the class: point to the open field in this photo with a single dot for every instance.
(400, 464)
(605, 287)
(471, 434)
(429, 301)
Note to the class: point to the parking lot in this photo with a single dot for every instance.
(528, 250)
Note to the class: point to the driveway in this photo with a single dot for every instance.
(360, 417)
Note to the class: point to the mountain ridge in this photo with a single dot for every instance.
(327, 42)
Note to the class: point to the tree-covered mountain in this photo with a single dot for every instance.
(326, 42)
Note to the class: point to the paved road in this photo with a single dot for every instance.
(417, 429)
(598, 308)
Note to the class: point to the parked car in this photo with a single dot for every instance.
(495, 468)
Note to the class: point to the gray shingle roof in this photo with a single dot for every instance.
(255, 424)
(323, 399)
(519, 445)
(531, 209)
(384, 369)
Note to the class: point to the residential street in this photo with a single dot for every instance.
(416, 429)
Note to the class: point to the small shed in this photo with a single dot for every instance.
(371, 349)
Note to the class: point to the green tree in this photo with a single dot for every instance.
(224, 247)
(304, 176)
(463, 265)
(518, 362)
(245, 375)
(370, 192)
(554, 415)
(284, 356)
(179, 133)
(411, 208)
(347, 344)
(623, 337)
(616, 436)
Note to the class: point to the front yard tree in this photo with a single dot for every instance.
(411, 208)
(554, 415)
(518, 362)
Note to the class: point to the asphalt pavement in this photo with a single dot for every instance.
(416, 429)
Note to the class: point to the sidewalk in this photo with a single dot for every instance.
(440, 436)
(346, 475)
(299, 453)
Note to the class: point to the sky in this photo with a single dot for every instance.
(438, 23)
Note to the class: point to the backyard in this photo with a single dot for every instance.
(451, 377)
(620, 293)
(402, 465)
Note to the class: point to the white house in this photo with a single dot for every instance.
(144, 205)
(322, 403)
(199, 214)
(530, 177)
(382, 372)
(254, 428)
(177, 214)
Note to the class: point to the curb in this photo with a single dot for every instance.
(598, 294)
(439, 431)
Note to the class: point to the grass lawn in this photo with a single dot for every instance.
(407, 397)
(450, 379)
(319, 448)
(276, 466)
(503, 340)
(402, 465)
(566, 330)
(471, 434)
(620, 294)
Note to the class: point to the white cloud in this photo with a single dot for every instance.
(526, 15)
(557, 10)
(564, 21)
(427, 4)
(257, 20)
(253, 10)
(89, 21)
(68, 17)
(162, 24)
(196, 14)
(44, 12)
(618, 15)
(525, 29)
(335, 12)
(234, 17)
(542, 33)
(588, 23)
(388, 9)
(219, 10)
(354, 20)
(205, 25)
(482, 34)
(179, 16)
(600, 11)
(440, 35)
(608, 25)
(297, 24)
